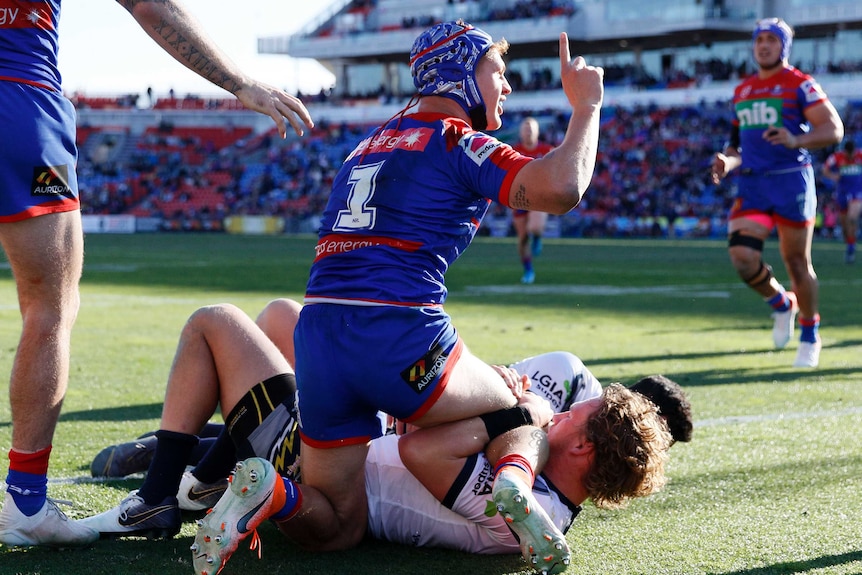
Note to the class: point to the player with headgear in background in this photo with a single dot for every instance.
(404, 205)
(781, 114)
(41, 233)
(844, 168)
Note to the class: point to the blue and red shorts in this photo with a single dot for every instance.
(788, 197)
(354, 361)
(37, 152)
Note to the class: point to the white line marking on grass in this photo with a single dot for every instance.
(743, 419)
(722, 291)
(718, 421)
(84, 479)
(599, 290)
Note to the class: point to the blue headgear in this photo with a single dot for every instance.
(443, 63)
(781, 29)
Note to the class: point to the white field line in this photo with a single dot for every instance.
(718, 421)
(599, 290)
(744, 419)
(673, 290)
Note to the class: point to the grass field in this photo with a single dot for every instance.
(771, 484)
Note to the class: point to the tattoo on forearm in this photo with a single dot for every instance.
(537, 436)
(520, 201)
(130, 4)
(188, 49)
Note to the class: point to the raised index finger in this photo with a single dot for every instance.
(564, 50)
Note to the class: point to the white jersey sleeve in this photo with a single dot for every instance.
(401, 510)
(560, 377)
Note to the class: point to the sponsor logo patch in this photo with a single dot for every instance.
(812, 91)
(20, 14)
(424, 371)
(50, 181)
(759, 114)
(409, 140)
(479, 146)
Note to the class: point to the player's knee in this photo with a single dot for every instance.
(739, 239)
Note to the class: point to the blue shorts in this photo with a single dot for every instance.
(37, 153)
(787, 197)
(353, 361)
(846, 197)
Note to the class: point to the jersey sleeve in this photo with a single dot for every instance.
(487, 164)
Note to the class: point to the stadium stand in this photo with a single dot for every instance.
(191, 161)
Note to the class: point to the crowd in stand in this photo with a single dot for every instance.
(651, 177)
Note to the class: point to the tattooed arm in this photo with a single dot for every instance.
(179, 33)
(436, 455)
(556, 182)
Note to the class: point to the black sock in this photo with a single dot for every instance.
(219, 461)
(169, 462)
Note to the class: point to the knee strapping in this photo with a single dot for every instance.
(739, 239)
(761, 276)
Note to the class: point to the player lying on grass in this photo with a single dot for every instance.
(396, 495)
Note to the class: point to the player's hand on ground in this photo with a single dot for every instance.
(582, 84)
(277, 104)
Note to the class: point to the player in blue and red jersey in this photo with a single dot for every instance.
(529, 224)
(373, 335)
(781, 113)
(40, 227)
(844, 167)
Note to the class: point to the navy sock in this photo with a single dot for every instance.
(219, 459)
(169, 462)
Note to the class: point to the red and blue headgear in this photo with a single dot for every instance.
(443, 63)
(781, 29)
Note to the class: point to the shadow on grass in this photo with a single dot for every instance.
(747, 481)
(799, 566)
(122, 413)
(741, 375)
(172, 557)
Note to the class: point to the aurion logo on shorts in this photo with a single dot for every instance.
(50, 181)
(424, 371)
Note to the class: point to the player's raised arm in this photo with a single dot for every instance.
(178, 32)
(556, 182)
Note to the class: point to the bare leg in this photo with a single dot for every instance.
(221, 355)
(747, 261)
(795, 246)
(46, 254)
(277, 320)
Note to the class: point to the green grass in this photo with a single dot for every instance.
(771, 484)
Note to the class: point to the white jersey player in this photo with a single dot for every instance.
(402, 510)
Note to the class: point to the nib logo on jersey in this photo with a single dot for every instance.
(759, 113)
(50, 181)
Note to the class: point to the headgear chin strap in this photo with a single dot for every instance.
(443, 63)
(781, 29)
